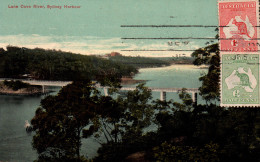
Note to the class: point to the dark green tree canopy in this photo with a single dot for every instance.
(60, 120)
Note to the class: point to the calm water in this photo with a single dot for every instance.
(15, 143)
(175, 76)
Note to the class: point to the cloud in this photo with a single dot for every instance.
(95, 45)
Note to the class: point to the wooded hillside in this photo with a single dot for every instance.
(38, 63)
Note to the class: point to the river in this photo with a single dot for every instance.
(15, 143)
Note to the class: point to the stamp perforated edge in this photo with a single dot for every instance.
(220, 81)
(258, 27)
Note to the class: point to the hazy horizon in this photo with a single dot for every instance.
(95, 28)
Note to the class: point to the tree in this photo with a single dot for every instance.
(234, 130)
(197, 131)
(122, 122)
(210, 89)
(79, 111)
(172, 153)
(60, 120)
(58, 65)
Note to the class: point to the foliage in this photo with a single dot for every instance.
(123, 124)
(235, 131)
(78, 110)
(172, 153)
(58, 65)
(137, 113)
(139, 62)
(186, 104)
(204, 55)
(175, 119)
(210, 81)
(184, 131)
(15, 85)
(60, 120)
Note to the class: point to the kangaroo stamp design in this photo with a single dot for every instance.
(240, 80)
(238, 26)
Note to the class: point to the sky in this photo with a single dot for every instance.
(95, 27)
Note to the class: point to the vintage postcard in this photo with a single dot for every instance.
(238, 21)
(128, 80)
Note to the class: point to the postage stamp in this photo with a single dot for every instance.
(240, 80)
(238, 21)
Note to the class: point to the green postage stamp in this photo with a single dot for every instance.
(240, 80)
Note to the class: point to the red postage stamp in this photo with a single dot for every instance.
(238, 21)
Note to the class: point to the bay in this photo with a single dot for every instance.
(15, 143)
(174, 76)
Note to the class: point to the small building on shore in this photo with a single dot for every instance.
(112, 54)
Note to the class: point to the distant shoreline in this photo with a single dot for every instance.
(192, 66)
(31, 90)
(23, 94)
(200, 66)
(129, 81)
(34, 91)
